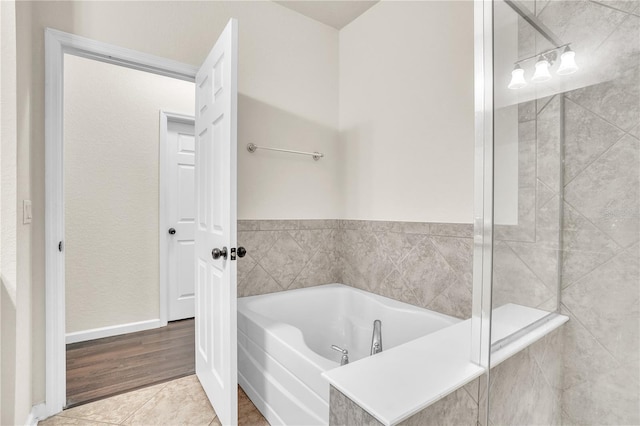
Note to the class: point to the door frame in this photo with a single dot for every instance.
(163, 223)
(58, 43)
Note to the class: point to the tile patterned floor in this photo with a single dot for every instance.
(178, 402)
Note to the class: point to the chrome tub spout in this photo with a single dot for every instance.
(376, 339)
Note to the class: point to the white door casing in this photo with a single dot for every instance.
(215, 189)
(177, 231)
(57, 44)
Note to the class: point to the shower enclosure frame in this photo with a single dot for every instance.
(483, 197)
(484, 226)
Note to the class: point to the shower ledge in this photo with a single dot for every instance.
(400, 382)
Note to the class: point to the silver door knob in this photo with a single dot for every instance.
(216, 253)
(172, 231)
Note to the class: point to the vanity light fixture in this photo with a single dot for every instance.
(543, 64)
(542, 70)
(517, 78)
(567, 62)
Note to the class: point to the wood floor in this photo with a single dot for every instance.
(101, 368)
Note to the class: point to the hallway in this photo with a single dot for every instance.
(105, 367)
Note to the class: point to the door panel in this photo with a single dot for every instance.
(181, 208)
(215, 189)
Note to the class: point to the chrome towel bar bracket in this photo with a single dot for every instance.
(253, 147)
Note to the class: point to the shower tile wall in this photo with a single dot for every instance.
(601, 282)
(599, 382)
(424, 264)
(458, 408)
(525, 388)
(526, 254)
(523, 392)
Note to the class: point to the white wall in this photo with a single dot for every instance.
(406, 112)
(111, 184)
(292, 102)
(15, 262)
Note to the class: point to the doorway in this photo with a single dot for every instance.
(177, 214)
(112, 186)
(216, 98)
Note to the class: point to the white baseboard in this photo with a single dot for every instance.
(38, 412)
(114, 330)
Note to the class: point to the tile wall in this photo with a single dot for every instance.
(597, 198)
(524, 391)
(287, 254)
(526, 254)
(424, 264)
(601, 279)
(458, 408)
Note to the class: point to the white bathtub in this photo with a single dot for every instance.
(284, 344)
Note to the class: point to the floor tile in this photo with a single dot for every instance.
(180, 402)
(248, 414)
(69, 421)
(115, 409)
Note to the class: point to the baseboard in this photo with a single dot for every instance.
(38, 412)
(114, 330)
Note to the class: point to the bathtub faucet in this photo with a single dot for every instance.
(376, 339)
(345, 354)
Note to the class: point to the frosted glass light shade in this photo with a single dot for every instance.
(517, 78)
(542, 71)
(567, 62)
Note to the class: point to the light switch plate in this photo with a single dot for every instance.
(27, 215)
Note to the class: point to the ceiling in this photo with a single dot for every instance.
(336, 14)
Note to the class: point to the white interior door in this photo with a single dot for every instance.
(215, 188)
(180, 206)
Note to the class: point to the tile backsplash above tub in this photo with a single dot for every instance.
(424, 264)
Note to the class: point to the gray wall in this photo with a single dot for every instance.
(601, 223)
(524, 391)
(424, 264)
(601, 282)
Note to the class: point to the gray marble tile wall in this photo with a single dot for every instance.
(287, 254)
(601, 231)
(459, 408)
(525, 390)
(424, 264)
(526, 254)
(595, 380)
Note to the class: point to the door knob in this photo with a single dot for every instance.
(241, 251)
(172, 231)
(216, 253)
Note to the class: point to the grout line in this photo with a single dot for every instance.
(149, 400)
(531, 268)
(604, 40)
(631, 12)
(581, 277)
(603, 152)
(606, 234)
(544, 284)
(447, 263)
(66, 416)
(543, 107)
(568, 96)
(455, 272)
(575, 317)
